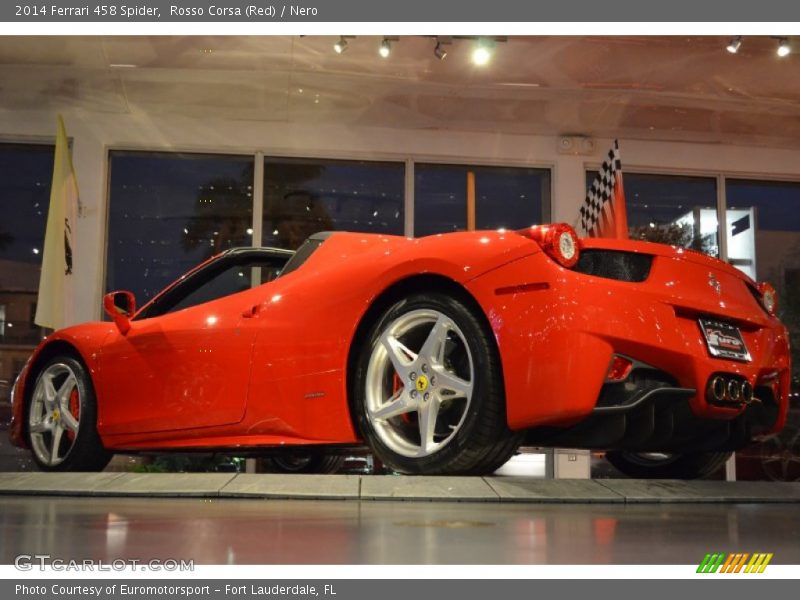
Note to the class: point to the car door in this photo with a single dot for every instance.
(185, 362)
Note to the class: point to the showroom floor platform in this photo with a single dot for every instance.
(372, 487)
(240, 531)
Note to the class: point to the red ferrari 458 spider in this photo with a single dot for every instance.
(440, 354)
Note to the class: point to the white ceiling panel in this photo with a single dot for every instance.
(671, 88)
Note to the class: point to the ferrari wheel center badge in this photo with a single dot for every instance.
(422, 383)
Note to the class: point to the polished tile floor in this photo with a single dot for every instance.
(325, 532)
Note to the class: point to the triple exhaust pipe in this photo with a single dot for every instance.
(730, 390)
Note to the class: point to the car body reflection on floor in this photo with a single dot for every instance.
(351, 532)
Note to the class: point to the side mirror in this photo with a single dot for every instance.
(120, 306)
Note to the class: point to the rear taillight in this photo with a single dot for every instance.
(559, 241)
(769, 297)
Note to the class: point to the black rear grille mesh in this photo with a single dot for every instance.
(613, 264)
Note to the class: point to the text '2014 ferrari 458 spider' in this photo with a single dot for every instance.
(441, 354)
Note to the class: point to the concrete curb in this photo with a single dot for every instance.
(397, 488)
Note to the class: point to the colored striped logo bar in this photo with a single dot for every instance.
(739, 562)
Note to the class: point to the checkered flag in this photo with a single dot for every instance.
(603, 212)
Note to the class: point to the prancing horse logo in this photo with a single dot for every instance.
(422, 383)
(714, 283)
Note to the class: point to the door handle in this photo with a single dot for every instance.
(251, 312)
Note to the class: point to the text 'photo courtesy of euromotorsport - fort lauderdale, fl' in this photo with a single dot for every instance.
(171, 591)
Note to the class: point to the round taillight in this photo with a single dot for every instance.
(561, 242)
(567, 246)
(769, 297)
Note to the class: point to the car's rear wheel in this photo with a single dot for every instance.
(657, 465)
(780, 455)
(304, 463)
(62, 419)
(428, 390)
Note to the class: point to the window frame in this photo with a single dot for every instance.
(40, 141)
(34, 140)
(258, 155)
(263, 157)
(547, 207)
(721, 178)
(719, 185)
(105, 209)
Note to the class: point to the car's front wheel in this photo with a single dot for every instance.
(656, 465)
(62, 419)
(428, 393)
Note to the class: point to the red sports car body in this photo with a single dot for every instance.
(631, 347)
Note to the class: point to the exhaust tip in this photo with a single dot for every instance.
(747, 392)
(734, 390)
(717, 386)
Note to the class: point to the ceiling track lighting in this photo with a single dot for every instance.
(385, 49)
(439, 51)
(482, 52)
(341, 45)
(735, 44)
(784, 49)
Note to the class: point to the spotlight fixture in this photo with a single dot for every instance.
(783, 47)
(341, 45)
(482, 53)
(735, 44)
(439, 51)
(386, 48)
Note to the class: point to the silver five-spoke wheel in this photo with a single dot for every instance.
(419, 383)
(54, 416)
(428, 395)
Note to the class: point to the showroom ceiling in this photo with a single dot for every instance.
(665, 88)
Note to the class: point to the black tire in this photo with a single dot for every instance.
(299, 463)
(483, 443)
(671, 466)
(87, 452)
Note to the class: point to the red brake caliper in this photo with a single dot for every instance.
(75, 410)
(397, 385)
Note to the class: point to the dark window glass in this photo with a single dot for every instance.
(306, 196)
(230, 274)
(671, 209)
(25, 174)
(169, 212)
(232, 280)
(763, 234)
(507, 197)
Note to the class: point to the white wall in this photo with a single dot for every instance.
(94, 133)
